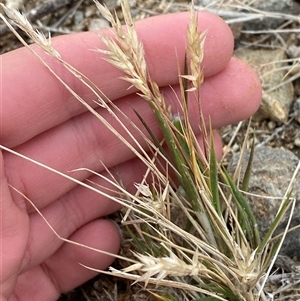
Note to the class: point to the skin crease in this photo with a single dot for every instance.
(42, 120)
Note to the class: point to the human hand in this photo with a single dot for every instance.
(43, 121)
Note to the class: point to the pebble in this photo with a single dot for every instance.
(271, 125)
(271, 173)
(296, 108)
(276, 104)
(78, 17)
(98, 23)
(297, 142)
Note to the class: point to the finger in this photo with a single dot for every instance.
(62, 271)
(34, 101)
(227, 97)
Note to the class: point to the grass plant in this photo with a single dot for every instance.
(193, 235)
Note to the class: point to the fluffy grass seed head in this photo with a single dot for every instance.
(164, 266)
(126, 53)
(195, 49)
(38, 37)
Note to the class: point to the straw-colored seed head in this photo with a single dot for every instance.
(163, 267)
(195, 49)
(38, 37)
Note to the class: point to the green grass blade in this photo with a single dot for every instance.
(246, 179)
(153, 137)
(246, 217)
(213, 178)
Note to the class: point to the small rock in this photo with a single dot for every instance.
(297, 142)
(112, 4)
(271, 174)
(78, 17)
(293, 51)
(296, 108)
(271, 125)
(275, 104)
(90, 11)
(98, 23)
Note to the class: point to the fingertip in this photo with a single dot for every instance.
(165, 39)
(247, 86)
(219, 43)
(232, 95)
